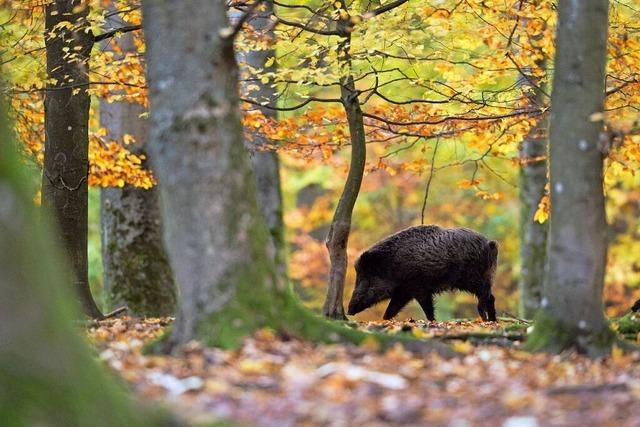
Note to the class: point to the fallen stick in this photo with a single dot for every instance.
(594, 388)
(481, 336)
(115, 312)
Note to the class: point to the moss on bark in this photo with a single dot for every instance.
(142, 280)
(48, 376)
(553, 336)
(289, 318)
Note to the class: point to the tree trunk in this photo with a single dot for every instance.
(338, 236)
(572, 310)
(48, 375)
(533, 235)
(136, 267)
(64, 179)
(217, 241)
(266, 165)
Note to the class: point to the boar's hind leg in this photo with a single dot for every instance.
(397, 303)
(426, 302)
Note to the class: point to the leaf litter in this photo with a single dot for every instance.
(271, 381)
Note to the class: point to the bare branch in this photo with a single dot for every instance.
(527, 77)
(453, 118)
(115, 32)
(307, 27)
(385, 8)
(428, 186)
(295, 107)
(248, 13)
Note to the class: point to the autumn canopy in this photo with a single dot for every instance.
(206, 186)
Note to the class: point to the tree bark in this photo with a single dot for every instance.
(338, 237)
(48, 375)
(66, 164)
(533, 235)
(572, 311)
(217, 241)
(135, 264)
(265, 161)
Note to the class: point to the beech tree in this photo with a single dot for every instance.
(66, 163)
(265, 161)
(135, 264)
(217, 241)
(48, 375)
(571, 313)
(533, 235)
(533, 180)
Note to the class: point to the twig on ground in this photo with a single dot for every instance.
(596, 388)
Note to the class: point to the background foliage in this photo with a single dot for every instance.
(446, 75)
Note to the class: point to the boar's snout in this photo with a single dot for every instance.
(358, 301)
(353, 309)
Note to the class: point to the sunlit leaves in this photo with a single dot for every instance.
(115, 77)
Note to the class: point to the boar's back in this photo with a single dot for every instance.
(430, 252)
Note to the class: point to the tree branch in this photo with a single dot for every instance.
(527, 78)
(428, 186)
(241, 21)
(117, 31)
(307, 27)
(295, 107)
(385, 8)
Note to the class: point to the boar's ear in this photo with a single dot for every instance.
(369, 263)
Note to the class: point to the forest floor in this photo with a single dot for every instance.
(270, 381)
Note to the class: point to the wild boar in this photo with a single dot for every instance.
(421, 261)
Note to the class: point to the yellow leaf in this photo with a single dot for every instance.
(617, 354)
(255, 366)
(462, 347)
(370, 343)
(128, 139)
(421, 333)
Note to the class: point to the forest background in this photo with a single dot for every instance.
(450, 89)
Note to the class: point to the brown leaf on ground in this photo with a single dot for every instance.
(270, 382)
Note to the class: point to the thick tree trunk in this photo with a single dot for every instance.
(49, 378)
(217, 241)
(572, 310)
(215, 237)
(64, 180)
(338, 236)
(136, 267)
(266, 165)
(533, 235)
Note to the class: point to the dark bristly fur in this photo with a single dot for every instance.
(636, 306)
(422, 261)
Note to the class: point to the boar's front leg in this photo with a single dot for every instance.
(397, 303)
(426, 302)
(487, 308)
